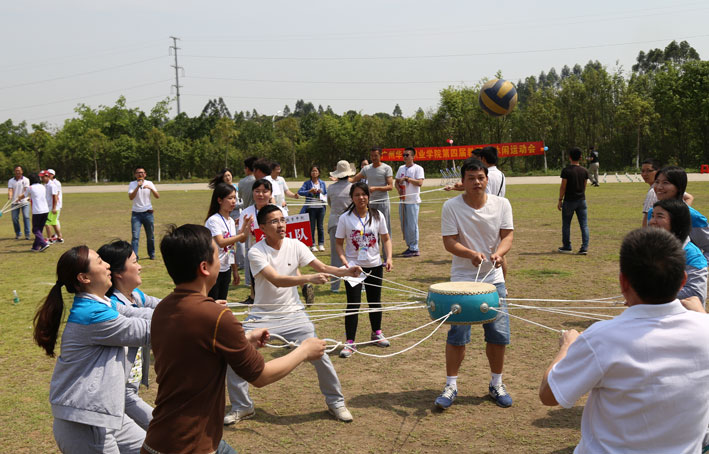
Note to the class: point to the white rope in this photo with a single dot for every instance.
(13, 207)
(413, 289)
(445, 317)
(490, 271)
(573, 313)
(562, 301)
(525, 320)
(338, 344)
(522, 306)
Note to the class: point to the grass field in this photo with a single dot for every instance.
(391, 399)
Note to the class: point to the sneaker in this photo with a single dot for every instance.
(18, 237)
(583, 251)
(407, 251)
(309, 294)
(314, 248)
(348, 351)
(564, 250)
(248, 300)
(500, 396)
(381, 341)
(28, 238)
(44, 248)
(411, 254)
(321, 247)
(59, 240)
(447, 397)
(341, 413)
(235, 416)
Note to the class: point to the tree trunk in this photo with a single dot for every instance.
(95, 168)
(158, 165)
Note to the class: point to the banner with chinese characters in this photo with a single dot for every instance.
(504, 150)
(297, 227)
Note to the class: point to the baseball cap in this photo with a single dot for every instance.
(51, 172)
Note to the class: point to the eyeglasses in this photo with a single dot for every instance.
(277, 221)
(406, 155)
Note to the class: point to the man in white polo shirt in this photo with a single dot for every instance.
(17, 192)
(139, 191)
(647, 370)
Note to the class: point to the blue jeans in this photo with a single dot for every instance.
(25, 216)
(317, 216)
(409, 217)
(146, 220)
(567, 212)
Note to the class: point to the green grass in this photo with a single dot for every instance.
(391, 399)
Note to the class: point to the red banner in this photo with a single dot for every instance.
(297, 227)
(504, 150)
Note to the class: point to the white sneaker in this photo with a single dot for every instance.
(235, 416)
(314, 248)
(341, 413)
(321, 248)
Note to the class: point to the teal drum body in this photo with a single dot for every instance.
(470, 302)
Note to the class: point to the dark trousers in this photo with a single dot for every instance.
(38, 221)
(374, 297)
(221, 288)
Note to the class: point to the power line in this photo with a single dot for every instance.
(47, 103)
(418, 57)
(289, 98)
(36, 82)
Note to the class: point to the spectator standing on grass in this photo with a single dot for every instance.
(593, 165)
(139, 191)
(278, 179)
(194, 339)
(17, 188)
(247, 200)
(380, 179)
(338, 198)
(38, 196)
(409, 179)
(572, 199)
(646, 370)
(477, 229)
(315, 192)
(55, 207)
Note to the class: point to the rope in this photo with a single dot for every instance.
(562, 301)
(525, 320)
(338, 344)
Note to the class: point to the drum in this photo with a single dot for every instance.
(470, 302)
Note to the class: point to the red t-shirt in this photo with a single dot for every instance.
(193, 340)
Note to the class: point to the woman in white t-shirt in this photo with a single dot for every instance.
(40, 210)
(227, 176)
(225, 235)
(359, 232)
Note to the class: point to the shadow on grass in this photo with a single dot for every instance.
(420, 400)
(436, 262)
(560, 418)
(568, 450)
(541, 253)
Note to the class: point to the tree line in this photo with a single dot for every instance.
(659, 108)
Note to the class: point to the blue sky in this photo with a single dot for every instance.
(367, 56)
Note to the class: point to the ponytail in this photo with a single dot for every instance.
(49, 315)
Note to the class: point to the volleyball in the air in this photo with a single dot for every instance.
(498, 97)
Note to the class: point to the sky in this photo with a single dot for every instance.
(366, 56)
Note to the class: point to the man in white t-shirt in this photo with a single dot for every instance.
(647, 370)
(477, 228)
(17, 192)
(496, 184)
(54, 199)
(139, 191)
(409, 179)
(274, 263)
(277, 179)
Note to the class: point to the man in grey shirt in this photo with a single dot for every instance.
(338, 198)
(380, 179)
(246, 182)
